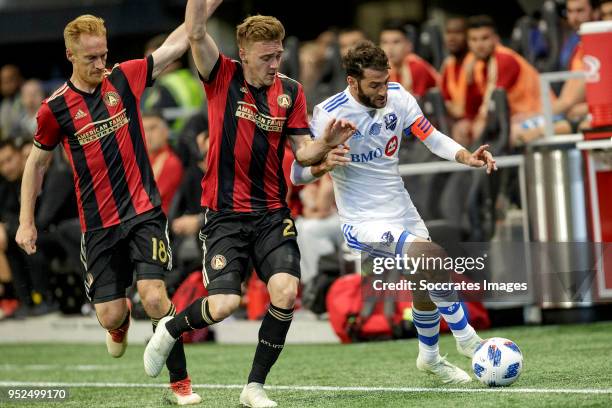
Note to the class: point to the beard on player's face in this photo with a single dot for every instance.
(373, 100)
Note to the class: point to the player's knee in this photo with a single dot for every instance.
(153, 297)
(152, 303)
(283, 290)
(286, 298)
(222, 306)
(111, 318)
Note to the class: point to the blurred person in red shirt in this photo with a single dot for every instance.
(414, 73)
(167, 167)
(499, 67)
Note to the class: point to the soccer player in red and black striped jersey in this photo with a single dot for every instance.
(95, 116)
(253, 110)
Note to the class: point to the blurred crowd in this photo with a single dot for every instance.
(472, 85)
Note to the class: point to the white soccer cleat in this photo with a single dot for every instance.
(117, 340)
(448, 373)
(183, 392)
(156, 352)
(253, 395)
(469, 347)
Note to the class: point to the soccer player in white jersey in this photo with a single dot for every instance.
(372, 202)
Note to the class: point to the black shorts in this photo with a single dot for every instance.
(232, 241)
(111, 255)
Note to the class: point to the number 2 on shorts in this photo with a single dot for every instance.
(289, 231)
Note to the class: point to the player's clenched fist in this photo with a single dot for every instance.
(26, 238)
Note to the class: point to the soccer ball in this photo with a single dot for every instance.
(497, 362)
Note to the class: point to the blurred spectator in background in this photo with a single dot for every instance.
(176, 87)
(577, 12)
(571, 99)
(328, 38)
(30, 276)
(167, 167)
(570, 110)
(8, 303)
(186, 146)
(186, 217)
(414, 73)
(312, 61)
(501, 68)
(10, 107)
(349, 37)
(571, 102)
(605, 10)
(319, 231)
(457, 73)
(321, 70)
(32, 95)
(186, 214)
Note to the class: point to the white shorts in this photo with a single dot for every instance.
(384, 238)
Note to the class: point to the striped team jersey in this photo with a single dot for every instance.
(103, 137)
(248, 130)
(370, 187)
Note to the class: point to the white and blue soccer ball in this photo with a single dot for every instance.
(497, 362)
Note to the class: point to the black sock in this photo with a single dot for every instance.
(176, 362)
(272, 334)
(195, 316)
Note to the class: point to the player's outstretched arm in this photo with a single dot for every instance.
(445, 147)
(304, 175)
(480, 158)
(175, 45)
(172, 49)
(31, 183)
(203, 47)
(308, 152)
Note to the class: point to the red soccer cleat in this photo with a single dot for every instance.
(183, 392)
(117, 339)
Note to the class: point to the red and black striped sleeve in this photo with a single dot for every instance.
(219, 76)
(48, 132)
(139, 74)
(297, 123)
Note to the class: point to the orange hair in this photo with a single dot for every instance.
(85, 24)
(259, 28)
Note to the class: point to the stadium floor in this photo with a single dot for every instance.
(565, 366)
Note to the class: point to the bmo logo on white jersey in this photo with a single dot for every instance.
(366, 157)
(389, 150)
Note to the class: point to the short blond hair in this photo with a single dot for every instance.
(85, 24)
(259, 28)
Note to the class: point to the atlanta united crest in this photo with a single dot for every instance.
(218, 262)
(111, 98)
(284, 101)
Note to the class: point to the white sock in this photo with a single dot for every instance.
(453, 314)
(427, 323)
